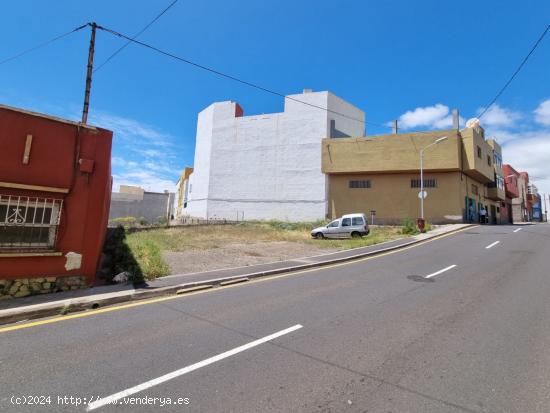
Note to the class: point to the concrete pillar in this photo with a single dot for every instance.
(456, 119)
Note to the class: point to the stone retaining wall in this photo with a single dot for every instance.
(22, 287)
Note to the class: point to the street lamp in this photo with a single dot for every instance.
(438, 140)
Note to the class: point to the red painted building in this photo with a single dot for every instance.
(55, 186)
(511, 177)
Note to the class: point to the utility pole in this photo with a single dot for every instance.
(89, 74)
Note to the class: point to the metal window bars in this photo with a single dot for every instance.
(29, 222)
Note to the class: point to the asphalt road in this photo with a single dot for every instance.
(389, 334)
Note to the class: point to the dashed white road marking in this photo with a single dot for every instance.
(148, 384)
(519, 229)
(440, 271)
(492, 245)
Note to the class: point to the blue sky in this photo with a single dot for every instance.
(393, 59)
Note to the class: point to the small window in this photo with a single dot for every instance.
(359, 184)
(357, 221)
(346, 222)
(28, 222)
(488, 160)
(479, 152)
(428, 183)
(475, 190)
(334, 224)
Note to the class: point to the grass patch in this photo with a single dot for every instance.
(148, 255)
(215, 236)
(376, 236)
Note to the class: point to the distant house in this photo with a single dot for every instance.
(55, 186)
(150, 207)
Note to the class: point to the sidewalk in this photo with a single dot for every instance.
(71, 301)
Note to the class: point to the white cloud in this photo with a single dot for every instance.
(502, 135)
(498, 116)
(148, 180)
(530, 152)
(144, 154)
(130, 128)
(426, 116)
(542, 113)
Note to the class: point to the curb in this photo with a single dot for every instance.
(92, 303)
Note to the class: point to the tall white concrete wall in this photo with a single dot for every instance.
(266, 166)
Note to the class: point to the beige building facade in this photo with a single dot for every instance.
(382, 174)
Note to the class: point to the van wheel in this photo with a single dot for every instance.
(355, 235)
(319, 235)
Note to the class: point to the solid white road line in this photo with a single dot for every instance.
(440, 271)
(492, 245)
(519, 229)
(148, 384)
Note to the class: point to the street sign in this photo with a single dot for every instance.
(422, 194)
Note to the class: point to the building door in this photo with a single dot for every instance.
(493, 214)
(471, 211)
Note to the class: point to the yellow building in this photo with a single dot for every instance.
(183, 191)
(382, 174)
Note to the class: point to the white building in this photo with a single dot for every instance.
(266, 166)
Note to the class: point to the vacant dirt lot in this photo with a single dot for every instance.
(203, 248)
(238, 255)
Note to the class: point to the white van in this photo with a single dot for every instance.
(350, 225)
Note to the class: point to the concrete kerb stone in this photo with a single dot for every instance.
(94, 302)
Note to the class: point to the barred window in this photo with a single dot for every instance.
(428, 183)
(29, 222)
(359, 184)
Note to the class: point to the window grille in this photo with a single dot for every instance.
(359, 184)
(428, 183)
(29, 222)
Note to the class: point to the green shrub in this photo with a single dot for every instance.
(124, 221)
(409, 227)
(143, 221)
(161, 221)
(148, 255)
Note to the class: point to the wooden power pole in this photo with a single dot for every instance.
(89, 74)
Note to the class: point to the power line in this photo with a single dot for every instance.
(39, 46)
(227, 76)
(515, 73)
(136, 35)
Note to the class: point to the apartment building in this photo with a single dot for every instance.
(534, 199)
(182, 192)
(381, 174)
(521, 208)
(265, 166)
